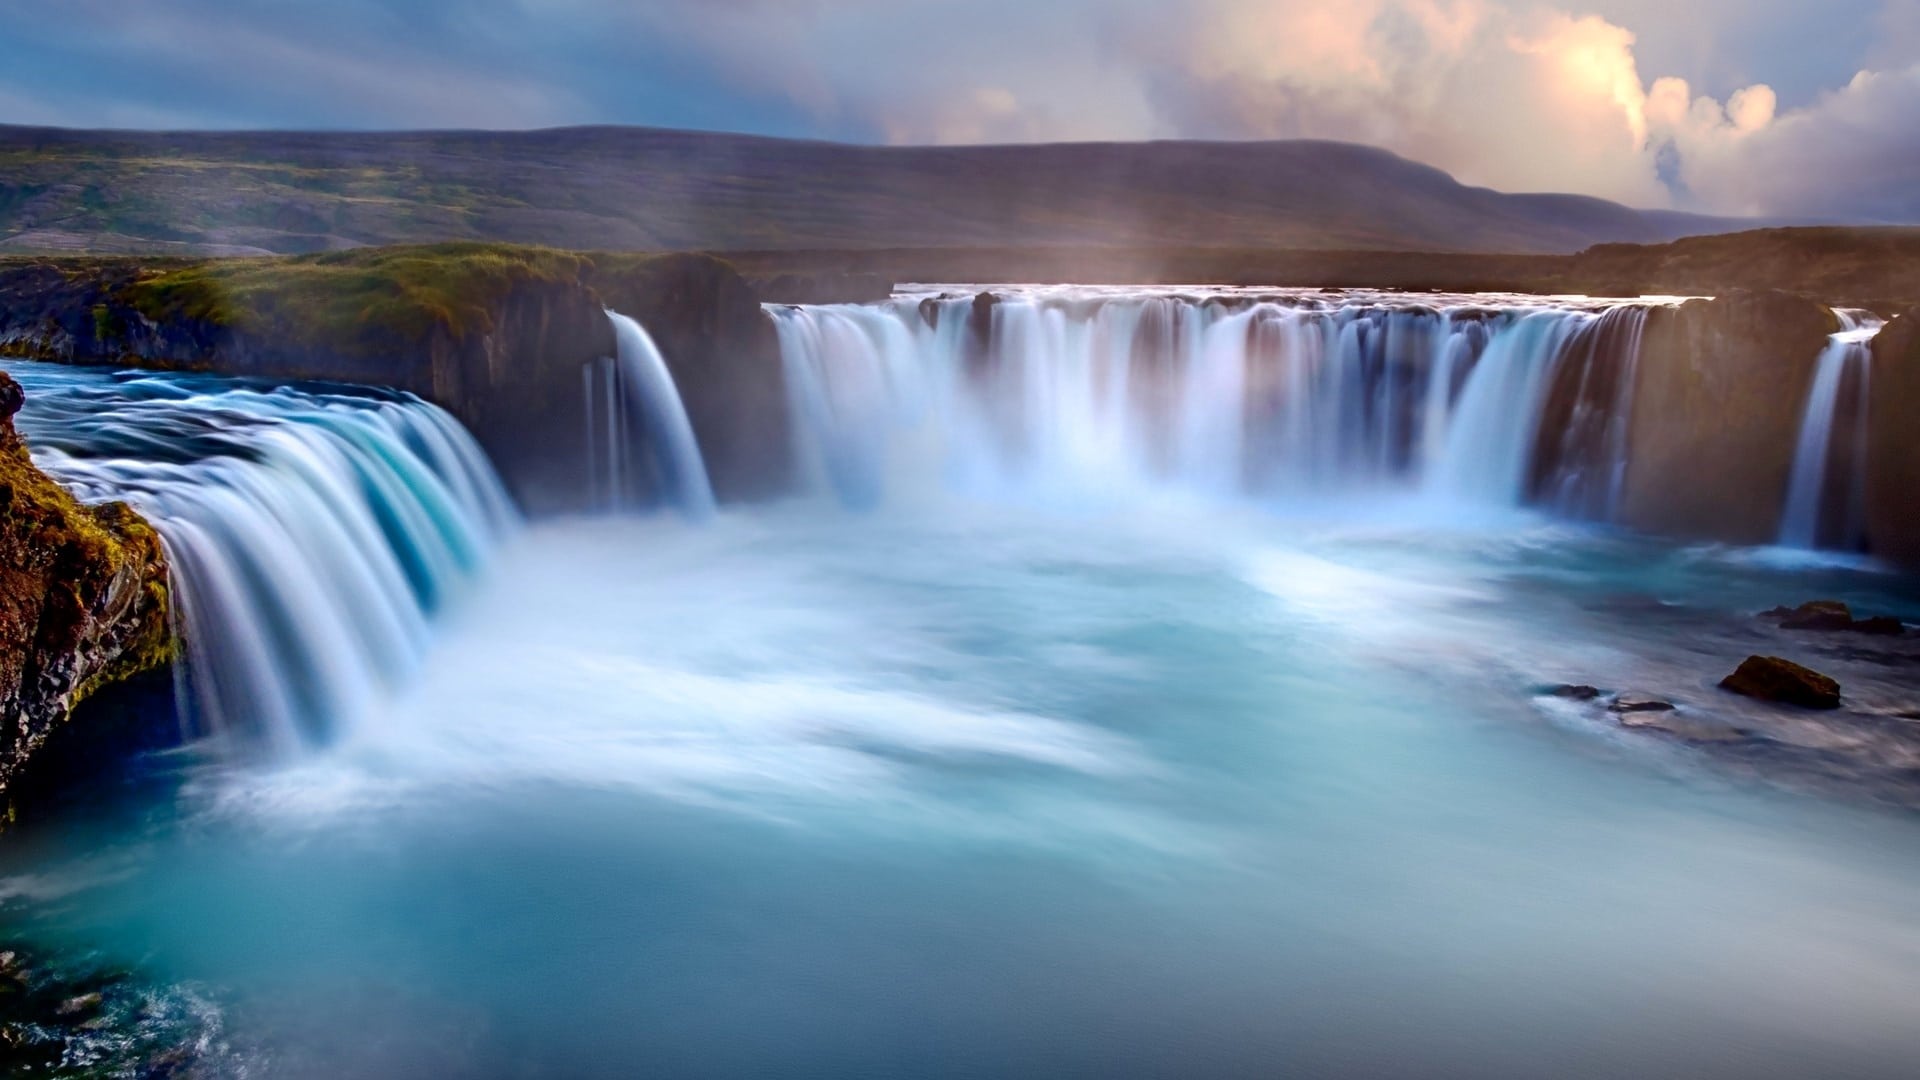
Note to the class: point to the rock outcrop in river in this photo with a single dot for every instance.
(1893, 450)
(83, 599)
(1716, 412)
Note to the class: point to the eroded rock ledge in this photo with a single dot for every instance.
(1716, 414)
(496, 334)
(83, 599)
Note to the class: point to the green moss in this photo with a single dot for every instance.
(69, 554)
(357, 300)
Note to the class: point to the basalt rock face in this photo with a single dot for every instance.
(725, 357)
(1893, 447)
(1716, 414)
(79, 312)
(497, 336)
(516, 385)
(83, 599)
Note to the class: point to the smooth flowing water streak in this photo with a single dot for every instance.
(1826, 497)
(631, 394)
(313, 533)
(1226, 392)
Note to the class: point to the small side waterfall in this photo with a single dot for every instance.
(313, 535)
(633, 397)
(1488, 401)
(1826, 497)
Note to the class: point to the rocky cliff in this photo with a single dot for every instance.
(1893, 450)
(83, 599)
(497, 335)
(1716, 414)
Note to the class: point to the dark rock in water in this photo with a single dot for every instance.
(81, 1005)
(94, 1022)
(1769, 678)
(11, 397)
(1833, 616)
(930, 312)
(981, 318)
(1576, 691)
(1639, 703)
(1818, 615)
(979, 350)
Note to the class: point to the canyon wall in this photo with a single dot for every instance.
(497, 336)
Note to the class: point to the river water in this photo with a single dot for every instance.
(982, 781)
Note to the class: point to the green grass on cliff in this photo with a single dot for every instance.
(361, 295)
(58, 560)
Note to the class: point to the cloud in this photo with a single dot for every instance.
(1854, 153)
(1533, 99)
(1529, 97)
(1735, 106)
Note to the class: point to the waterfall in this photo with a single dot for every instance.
(633, 396)
(1580, 459)
(1826, 496)
(313, 534)
(1093, 391)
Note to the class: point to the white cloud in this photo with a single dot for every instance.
(1853, 153)
(1522, 95)
(1529, 97)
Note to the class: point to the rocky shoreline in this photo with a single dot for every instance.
(1823, 702)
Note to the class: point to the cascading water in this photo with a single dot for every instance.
(633, 397)
(1826, 496)
(1291, 393)
(313, 534)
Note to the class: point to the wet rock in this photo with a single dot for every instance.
(1818, 615)
(1716, 412)
(1770, 678)
(82, 1005)
(1575, 691)
(979, 345)
(1881, 626)
(83, 603)
(1833, 616)
(980, 320)
(1639, 703)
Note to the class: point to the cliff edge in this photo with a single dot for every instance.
(83, 598)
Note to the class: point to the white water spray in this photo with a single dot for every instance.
(1825, 509)
(313, 536)
(636, 392)
(1086, 392)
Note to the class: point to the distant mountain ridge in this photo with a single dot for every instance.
(618, 188)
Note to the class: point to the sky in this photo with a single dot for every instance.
(1802, 108)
